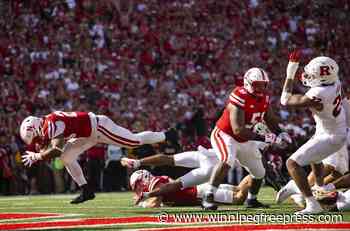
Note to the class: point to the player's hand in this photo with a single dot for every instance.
(139, 198)
(273, 139)
(294, 56)
(285, 139)
(30, 158)
(130, 163)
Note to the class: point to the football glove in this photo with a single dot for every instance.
(30, 158)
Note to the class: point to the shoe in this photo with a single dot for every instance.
(254, 203)
(283, 194)
(208, 202)
(84, 196)
(171, 135)
(313, 209)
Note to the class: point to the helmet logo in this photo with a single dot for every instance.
(324, 70)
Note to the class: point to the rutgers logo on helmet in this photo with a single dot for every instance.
(256, 81)
(140, 179)
(30, 128)
(319, 71)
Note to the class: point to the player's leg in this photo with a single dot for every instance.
(72, 150)
(313, 151)
(249, 156)
(224, 147)
(111, 133)
(241, 191)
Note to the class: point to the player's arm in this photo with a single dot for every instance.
(53, 149)
(272, 121)
(237, 121)
(156, 160)
(296, 100)
(153, 202)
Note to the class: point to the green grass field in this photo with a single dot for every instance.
(121, 205)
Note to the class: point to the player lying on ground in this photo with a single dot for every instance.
(143, 181)
(202, 162)
(68, 134)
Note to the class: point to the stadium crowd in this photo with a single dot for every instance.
(149, 65)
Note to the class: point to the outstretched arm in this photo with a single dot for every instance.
(287, 97)
(156, 160)
(55, 148)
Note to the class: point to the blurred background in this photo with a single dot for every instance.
(150, 65)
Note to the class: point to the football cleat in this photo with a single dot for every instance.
(85, 195)
(208, 202)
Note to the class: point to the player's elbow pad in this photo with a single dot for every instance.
(285, 97)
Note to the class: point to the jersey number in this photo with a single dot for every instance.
(257, 117)
(337, 108)
(66, 114)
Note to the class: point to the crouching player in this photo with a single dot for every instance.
(142, 181)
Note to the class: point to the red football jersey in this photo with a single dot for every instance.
(254, 108)
(187, 196)
(70, 124)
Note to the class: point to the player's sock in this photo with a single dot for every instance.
(292, 187)
(148, 137)
(343, 201)
(76, 173)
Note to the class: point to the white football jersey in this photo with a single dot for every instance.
(331, 119)
(346, 106)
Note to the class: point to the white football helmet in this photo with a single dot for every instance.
(253, 76)
(320, 70)
(140, 177)
(30, 128)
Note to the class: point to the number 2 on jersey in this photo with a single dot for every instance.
(337, 108)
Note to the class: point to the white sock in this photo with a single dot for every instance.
(292, 187)
(148, 137)
(76, 173)
(251, 196)
(311, 201)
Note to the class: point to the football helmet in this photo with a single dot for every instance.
(30, 128)
(255, 81)
(320, 70)
(140, 179)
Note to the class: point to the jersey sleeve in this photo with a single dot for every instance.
(156, 181)
(52, 129)
(237, 97)
(314, 93)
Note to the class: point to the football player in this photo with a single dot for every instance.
(324, 99)
(234, 139)
(68, 134)
(201, 161)
(143, 182)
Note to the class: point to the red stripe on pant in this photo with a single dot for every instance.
(120, 137)
(117, 140)
(220, 143)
